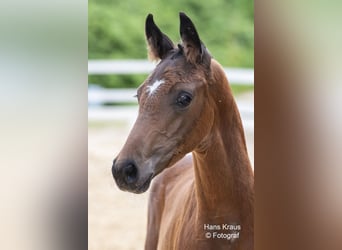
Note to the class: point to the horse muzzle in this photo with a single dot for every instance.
(128, 177)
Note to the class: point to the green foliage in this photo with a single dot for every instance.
(116, 31)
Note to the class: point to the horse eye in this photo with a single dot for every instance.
(184, 99)
(137, 96)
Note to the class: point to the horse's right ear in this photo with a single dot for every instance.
(195, 51)
(158, 43)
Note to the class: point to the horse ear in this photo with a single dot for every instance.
(194, 49)
(158, 43)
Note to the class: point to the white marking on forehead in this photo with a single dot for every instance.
(152, 88)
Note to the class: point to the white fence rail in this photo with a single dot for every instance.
(98, 96)
(106, 67)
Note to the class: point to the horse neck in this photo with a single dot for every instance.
(223, 175)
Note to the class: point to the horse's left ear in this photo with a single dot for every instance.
(195, 51)
(158, 43)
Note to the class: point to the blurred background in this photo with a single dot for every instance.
(116, 30)
(117, 65)
(44, 117)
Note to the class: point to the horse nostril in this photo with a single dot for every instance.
(114, 171)
(130, 173)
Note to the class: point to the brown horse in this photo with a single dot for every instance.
(186, 105)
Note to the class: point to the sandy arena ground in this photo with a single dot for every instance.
(117, 220)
